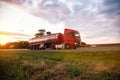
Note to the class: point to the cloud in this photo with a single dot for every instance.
(52, 10)
(92, 18)
(13, 34)
(56, 11)
(111, 7)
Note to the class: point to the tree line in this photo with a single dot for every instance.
(25, 44)
(15, 45)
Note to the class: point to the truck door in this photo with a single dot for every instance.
(69, 39)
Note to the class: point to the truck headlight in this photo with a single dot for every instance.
(75, 43)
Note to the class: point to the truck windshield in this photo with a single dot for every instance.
(76, 34)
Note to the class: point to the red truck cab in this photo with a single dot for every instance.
(71, 38)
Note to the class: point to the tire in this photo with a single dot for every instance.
(74, 47)
(31, 48)
(52, 46)
(67, 46)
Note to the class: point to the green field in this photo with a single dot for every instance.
(59, 65)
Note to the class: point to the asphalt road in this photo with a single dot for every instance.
(98, 48)
(85, 48)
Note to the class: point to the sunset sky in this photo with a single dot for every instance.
(98, 21)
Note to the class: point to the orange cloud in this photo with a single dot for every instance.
(12, 34)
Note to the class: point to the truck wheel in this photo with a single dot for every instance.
(45, 46)
(34, 47)
(74, 47)
(30, 47)
(67, 46)
(52, 46)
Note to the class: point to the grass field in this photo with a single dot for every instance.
(59, 65)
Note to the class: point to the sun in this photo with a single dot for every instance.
(5, 39)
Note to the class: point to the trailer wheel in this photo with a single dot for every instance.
(34, 47)
(30, 47)
(67, 46)
(52, 46)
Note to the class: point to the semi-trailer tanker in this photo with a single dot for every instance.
(70, 39)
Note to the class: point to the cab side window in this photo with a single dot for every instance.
(70, 34)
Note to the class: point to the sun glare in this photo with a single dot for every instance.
(5, 39)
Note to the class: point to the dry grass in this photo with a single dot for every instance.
(59, 65)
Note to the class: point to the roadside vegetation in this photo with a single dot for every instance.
(59, 65)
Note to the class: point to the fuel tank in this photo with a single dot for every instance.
(56, 38)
